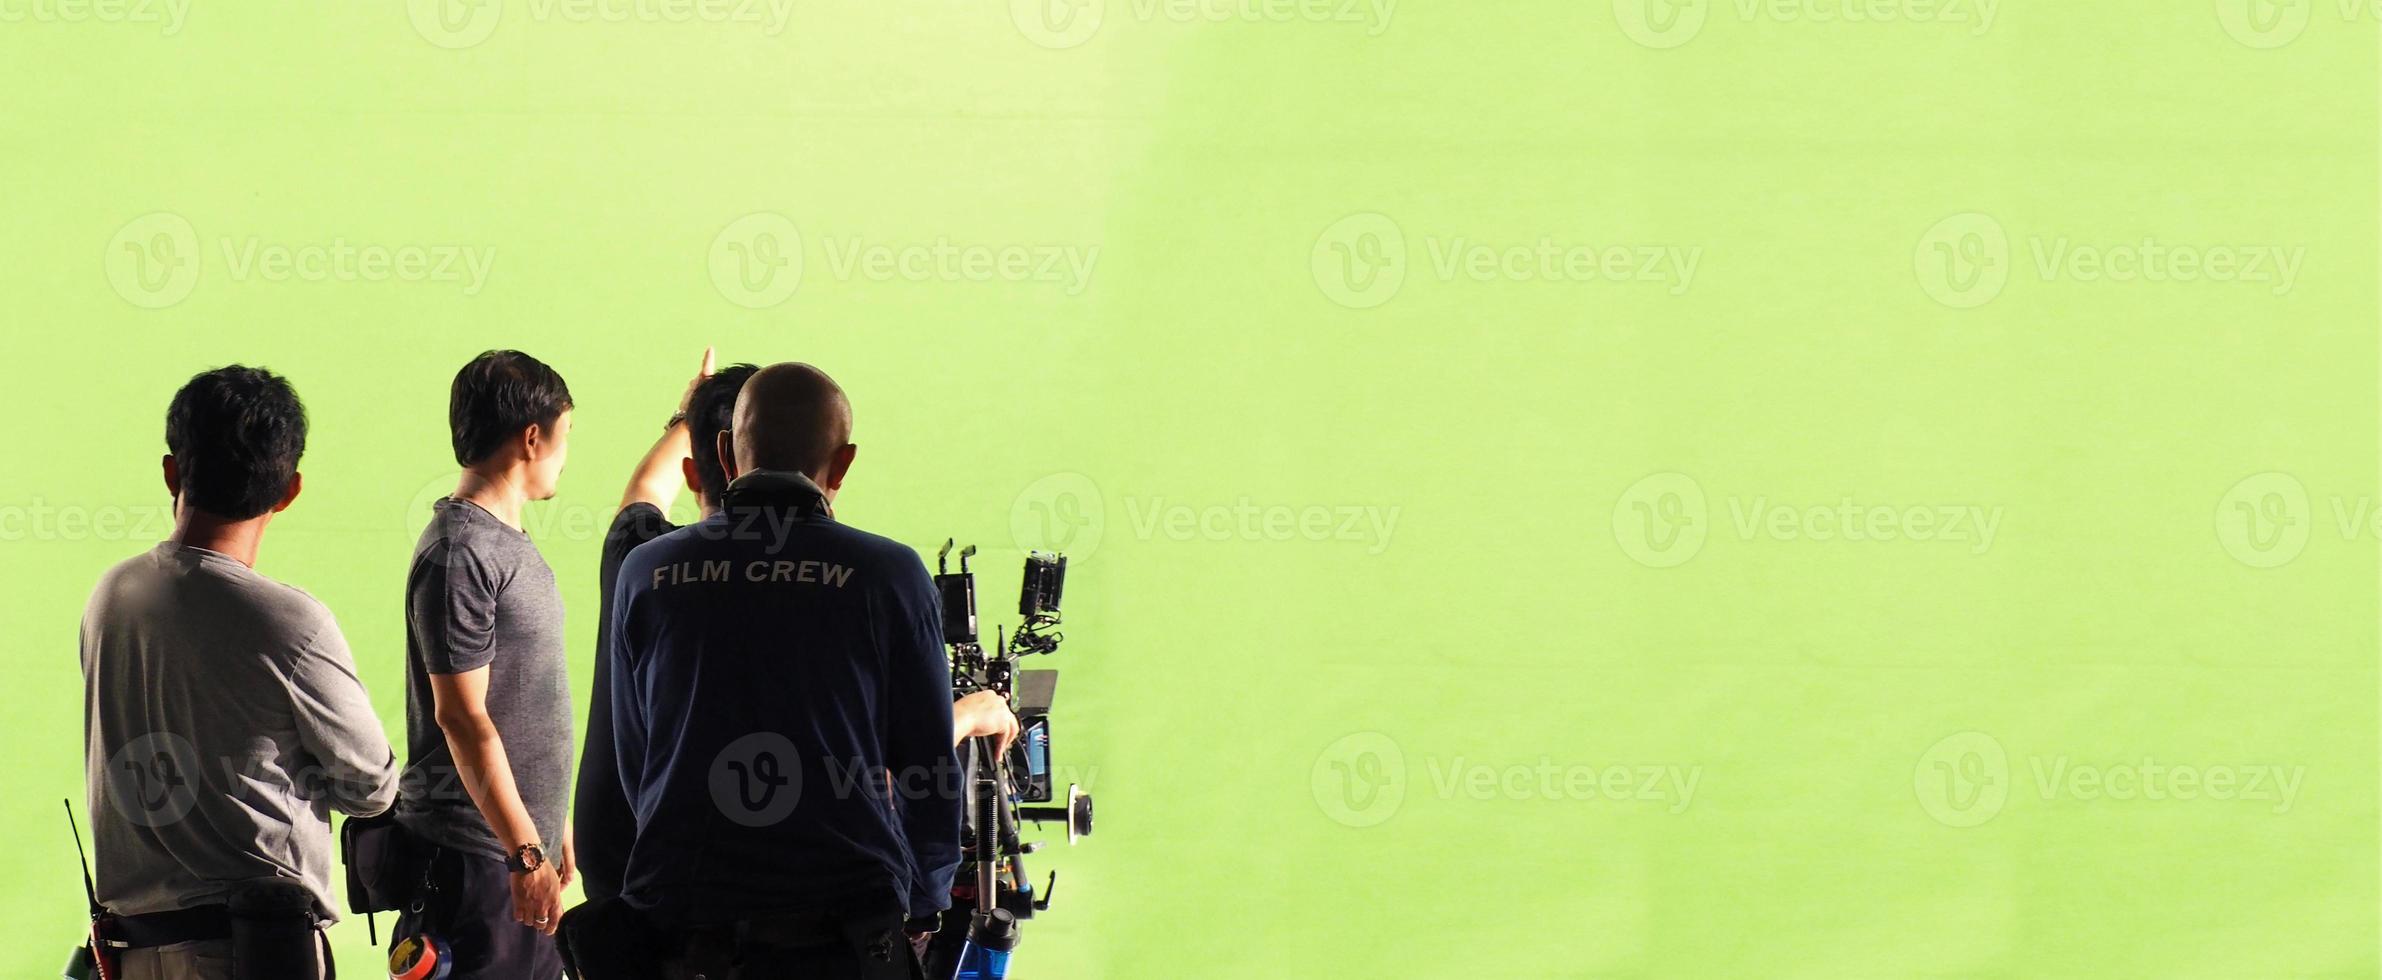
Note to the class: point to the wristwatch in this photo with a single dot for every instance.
(676, 419)
(526, 859)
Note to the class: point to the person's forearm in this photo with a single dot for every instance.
(488, 776)
(366, 791)
(931, 824)
(657, 479)
(337, 728)
(930, 820)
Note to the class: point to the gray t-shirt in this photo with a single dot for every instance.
(222, 723)
(480, 595)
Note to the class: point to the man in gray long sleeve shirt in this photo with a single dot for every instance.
(223, 719)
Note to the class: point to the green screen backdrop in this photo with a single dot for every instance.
(1648, 488)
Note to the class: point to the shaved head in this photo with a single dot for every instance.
(793, 417)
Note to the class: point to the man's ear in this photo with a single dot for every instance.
(533, 440)
(694, 480)
(297, 481)
(173, 478)
(840, 465)
(727, 451)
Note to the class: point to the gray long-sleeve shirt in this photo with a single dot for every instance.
(222, 722)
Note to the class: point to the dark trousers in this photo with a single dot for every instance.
(468, 902)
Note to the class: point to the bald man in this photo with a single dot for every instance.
(782, 715)
(687, 454)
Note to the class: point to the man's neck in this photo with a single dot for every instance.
(236, 540)
(500, 494)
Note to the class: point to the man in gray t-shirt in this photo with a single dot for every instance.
(222, 718)
(487, 699)
(479, 595)
(222, 709)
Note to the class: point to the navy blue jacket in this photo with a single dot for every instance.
(775, 675)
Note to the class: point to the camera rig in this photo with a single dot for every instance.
(993, 887)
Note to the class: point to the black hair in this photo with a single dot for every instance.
(710, 412)
(236, 434)
(497, 395)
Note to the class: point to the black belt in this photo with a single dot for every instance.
(716, 946)
(200, 923)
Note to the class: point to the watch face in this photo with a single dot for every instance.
(529, 858)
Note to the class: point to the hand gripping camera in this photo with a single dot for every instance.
(992, 884)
